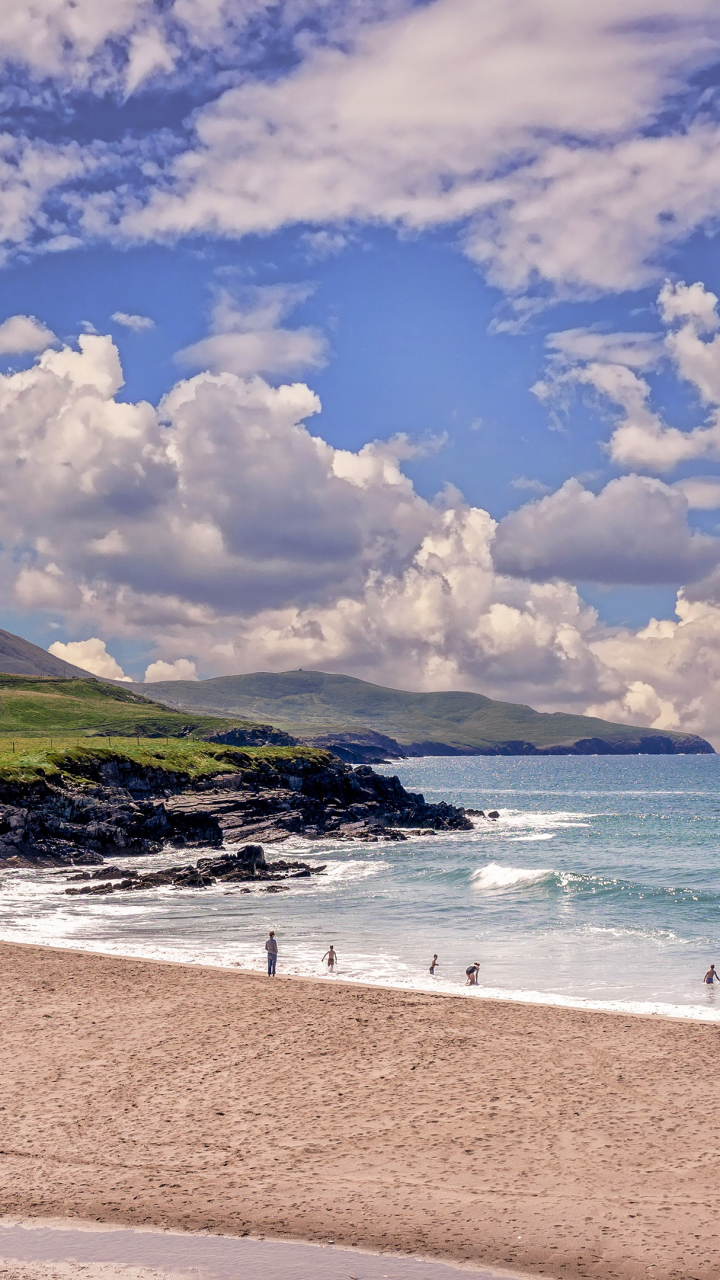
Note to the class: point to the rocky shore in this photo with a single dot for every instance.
(109, 806)
(246, 864)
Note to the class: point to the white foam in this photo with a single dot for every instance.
(538, 835)
(493, 876)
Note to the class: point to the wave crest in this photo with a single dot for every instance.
(493, 876)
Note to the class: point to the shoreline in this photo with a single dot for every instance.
(531, 999)
(87, 1227)
(536, 1140)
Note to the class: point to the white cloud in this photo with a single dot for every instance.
(702, 493)
(641, 439)
(217, 525)
(538, 128)
(20, 334)
(529, 485)
(634, 531)
(30, 171)
(129, 321)
(149, 52)
(247, 338)
(324, 244)
(181, 669)
(91, 655)
(528, 123)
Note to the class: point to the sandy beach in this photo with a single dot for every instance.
(553, 1141)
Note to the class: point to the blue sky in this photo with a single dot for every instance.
(478, 240)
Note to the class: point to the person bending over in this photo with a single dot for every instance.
(472, 974)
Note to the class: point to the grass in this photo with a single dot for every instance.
(51, 708)
(28, 759)
(310, 703)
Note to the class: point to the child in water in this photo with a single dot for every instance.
(433, 964)
(331, 956)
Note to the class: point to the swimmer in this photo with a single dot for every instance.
(331, 956)
(711, 976)
(472, 974)
(433, 964)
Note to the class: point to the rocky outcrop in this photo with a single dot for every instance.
(112, 807)
(334, 800)
(246, 864)
(258, 735)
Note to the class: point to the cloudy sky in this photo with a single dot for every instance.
(379, 337)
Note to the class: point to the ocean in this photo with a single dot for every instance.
(598, 886)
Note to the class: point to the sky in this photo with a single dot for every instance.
(379, 338)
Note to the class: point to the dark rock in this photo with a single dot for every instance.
(118, 808)
(259, 735)
(493, 813)
(245, 864)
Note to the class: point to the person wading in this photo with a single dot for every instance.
(271, 948)
(331, 957)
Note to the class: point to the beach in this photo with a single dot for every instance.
(554, 1141)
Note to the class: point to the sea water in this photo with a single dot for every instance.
(598, 886)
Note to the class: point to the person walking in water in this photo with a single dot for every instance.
(472, 974)
(711, 976)
(433, 965)
(331, 957)
(271, 948)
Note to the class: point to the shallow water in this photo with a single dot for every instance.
(207, 1257)
(599, 885)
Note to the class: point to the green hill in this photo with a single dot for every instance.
(33, 707)
(313, 704)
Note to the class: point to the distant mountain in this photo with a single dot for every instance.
(340, 711)
(19, 657)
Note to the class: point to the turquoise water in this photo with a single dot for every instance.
(599, 884)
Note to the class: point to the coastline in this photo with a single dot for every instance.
(459, 991)
(36, 1247)
(530, 1138)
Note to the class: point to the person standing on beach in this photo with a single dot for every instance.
(433, 964)
(472, 974)
(711, 976)
(271, 948)
(331, 956)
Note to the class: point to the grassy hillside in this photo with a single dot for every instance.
(31, 707)
(27, 759)
(311, 703)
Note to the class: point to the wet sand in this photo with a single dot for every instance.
(553, 1141)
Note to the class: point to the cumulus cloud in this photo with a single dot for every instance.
(91, 655)
(181, 669)
(129, 321)
(217, 525)
(702, 493)
(21, 334)
(634, 531)
(247, 337)
(641, 439)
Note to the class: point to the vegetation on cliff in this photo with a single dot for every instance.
(36, 707)
(182, 760)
